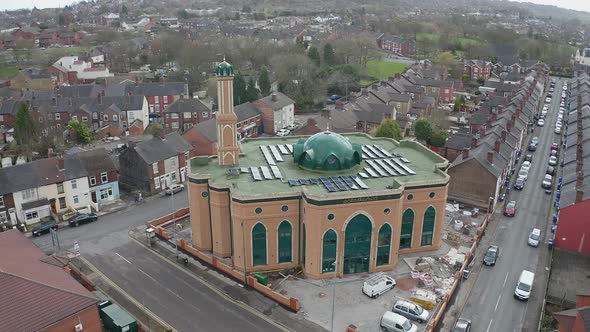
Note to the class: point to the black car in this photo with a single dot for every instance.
(82, 218)
(519, 184)
(550, 170)
(532, 147)
(491, 255)
(528, 157)
(44, 227)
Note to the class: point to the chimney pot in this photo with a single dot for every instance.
(491, 157)
(497, 146)
(365, 91)
(504, 133)
(374, 87)
(465, 153)
(274, 97)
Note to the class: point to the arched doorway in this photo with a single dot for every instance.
(357, 245)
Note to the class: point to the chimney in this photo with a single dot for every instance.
(365, 91)
(517, 113)
(70, 101)
(325, 114)
(339, 105)
(375, 87)
(579, 179)
(513, 119)
(99, 99)
(482, 131)
(508, 126)
(465, 153)
(473, 142)
(504, 133)
(497, 146)
(273, 97)
(579, 195)
(54, 101)
(494, 117)
(383, 83)
(60, 164)
(491, 157)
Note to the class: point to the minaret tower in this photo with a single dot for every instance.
(227, 135)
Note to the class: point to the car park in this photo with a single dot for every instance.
(378, 284)
(547, 181)
(411, 311)
(534, 237)
(519, 184)
(44, 227)
(552, 161)
(283, 132)
(491, 255)
(540, 122)
(392, 322)
(82, 218)
(462, 325)
(550, 170)
(510, 210)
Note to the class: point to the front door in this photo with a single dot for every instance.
(357, 245)
(93, 196)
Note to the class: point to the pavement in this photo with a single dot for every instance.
(487, 300)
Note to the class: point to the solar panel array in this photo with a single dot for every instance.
(385, 167)
(375, 151)
(333, 183)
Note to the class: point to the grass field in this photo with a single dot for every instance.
(465, 42)
(425, 36)
(7, 72)
(383, 69)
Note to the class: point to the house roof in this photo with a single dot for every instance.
(480, 154)
(459, 141)
(282, 101)
(93, 161)
(186, 105)
(35, 295)
(207, 128)
(246, 111)
(157, 89)
(157, 148)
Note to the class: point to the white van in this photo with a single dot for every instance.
(378, 284)
(524, 285)
(534, 237)
(392, 322)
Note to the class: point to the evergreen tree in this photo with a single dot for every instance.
(389, 128)
(81, 131)
(24, 127)
(124, 10)
(264, 82)
(314, 55)
(329, 56)
(239, 89)
(252, 92)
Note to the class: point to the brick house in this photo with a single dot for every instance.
(103, 177)
(41, 285)
(397, 44)
(444, 89)
(476, 69)
(47, 38)
(155, 164)
(27, 33)
(576, 319)
(69, 38)
(277, 110)
(159, 95)
(185, 113)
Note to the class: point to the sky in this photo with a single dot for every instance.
(15, 4)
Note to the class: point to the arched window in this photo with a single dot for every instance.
(259, 245)
(405, 239)
(329, 251)
(428, 226)
(285, 250)
(384, 245)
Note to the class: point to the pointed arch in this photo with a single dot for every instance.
(329, 245)
(285, 242)
(428, 226)
(405, 239)
(384, 245)
(259, 245)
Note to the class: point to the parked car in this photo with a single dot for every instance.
(526, 165)
(547, 100)
(510, 210)
(377, 285)
(392, 322)
(557, 130)
(519, 184)
(82, 218)
(535, 140)
(552, 161)
(411, 310)
(534, 237)
(492, 255)
(283, 132)
(550, 170)
(553, 153)
(532, 147)
(554, 146)
(547, 181)
(174, 188)
(528, 157)
(540, 122)
(44, 227)
(462, 325)
(523, 173)
(292, 127)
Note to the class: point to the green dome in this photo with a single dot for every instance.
(224, 69)
(327, 151)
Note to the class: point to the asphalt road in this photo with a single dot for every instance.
(491, 305)
(177, 297)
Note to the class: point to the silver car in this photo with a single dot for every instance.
(411, 311)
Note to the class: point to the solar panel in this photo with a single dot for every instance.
(267, 155)
(289, 147)
(405, 160)
(371, 172)
(377, 168)
(283, 149)
(385, 152)
(314, 181)
(375, 151)
(244, 170)
(338, 183)
(363, 175)
(359, 182)
(395, 167)
(368, 152)
(349, 182)
(276, 172)
(386, 167)
(406, 168)
(275, 153)
(328, 185)
(293, 183)
(256, 173)
(303, 182)
(365, 156)
(266, 172)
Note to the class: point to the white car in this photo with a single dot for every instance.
(534, 237)
(292, 126)
(557, 130)
(283, 132)
(541, 122)
(552, 161)
(544, 113)
(523, 173)
(547, 181)
(526, 166)
(174, 188)
(564, 87)
(547, 100)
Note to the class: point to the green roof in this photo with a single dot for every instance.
(224, 69)
(327, 151)
(425, 163)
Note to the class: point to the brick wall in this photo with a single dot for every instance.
(88, 317)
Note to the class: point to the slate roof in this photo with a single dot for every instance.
(480, 154)
(157, 89)
(157, 148)
(246, 111)
(207, 128)
(434, 83)
(93, 161)
(35, 295)
(186, 105)
(282, 101)
(459, 141)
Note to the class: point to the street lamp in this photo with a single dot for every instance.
(334, 289)
(174, 219)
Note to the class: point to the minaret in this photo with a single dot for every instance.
(227, 136)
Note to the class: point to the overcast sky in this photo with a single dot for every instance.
(15, 4)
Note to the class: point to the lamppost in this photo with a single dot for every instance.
(174, 219)
(334, 289)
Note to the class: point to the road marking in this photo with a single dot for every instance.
(505, 279)
(489, 325)
(123, 258)
(147, 275)
(175, 294)
(497, 302)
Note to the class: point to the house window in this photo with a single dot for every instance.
(155, 168)
(103, 177)
(156, 183)
(28, 194)
(3, 217)
(165, 99)
(205, 114)
(173, 177)
(174, 115)
(49, 116)
(157, 99)
(259, 245)
(428, 226)
(57, 116)
(93, 180)
(115, 117)
(239, 125)
(151, 109)
(41, 119)
(75, 117)
(285, 241)
(95, 116)
(106, 193)
(175, 125)
(405, 240)
(186, 156)
(74, 184)
(446, 90)
(60, 188)
(187, 115)
(84, 119)
(105, 117)
(62, 202)
(122, 115)
(158, 108)
(1, 201)
(1, 117)
(383, 245)
(329, 251)
(76, 199)
(31, 215)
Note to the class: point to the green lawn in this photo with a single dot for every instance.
(7, 72)
(383, 69)
(466, 42)
(425, 36)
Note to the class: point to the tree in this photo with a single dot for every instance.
(314, 54)
(264, 81)
(390, 129)
(252, 92)
(81, 131)
(239, 89)
(457, 107)
(329, 55)
(481, 81)
(438, 138)
(155, 129)
(24, 127)
(445, 59)
(124, 10)
(423, 129)
(246, 9)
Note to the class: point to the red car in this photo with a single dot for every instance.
(555, 146)
(510, 210)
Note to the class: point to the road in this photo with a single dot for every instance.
(491, 305)
(177, 297)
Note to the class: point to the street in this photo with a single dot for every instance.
(179, 298)
(491, 305)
